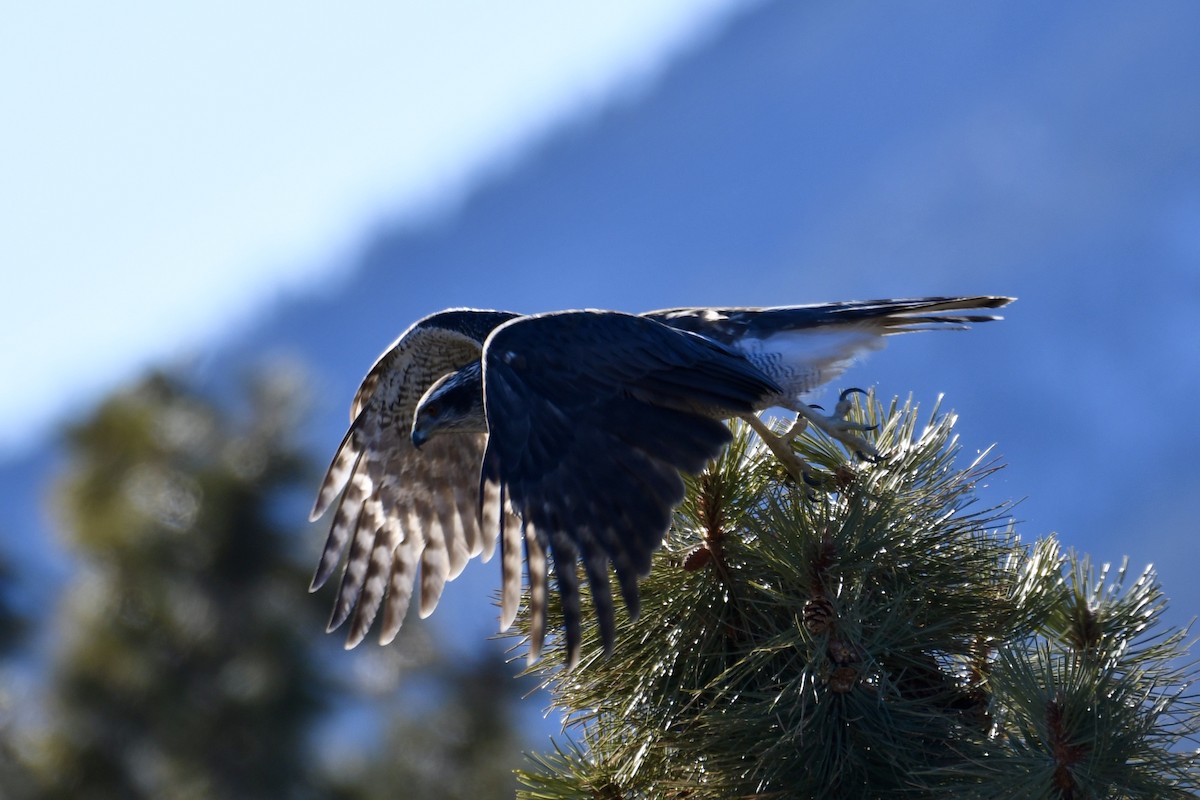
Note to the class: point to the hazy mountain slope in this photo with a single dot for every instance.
(833, 151)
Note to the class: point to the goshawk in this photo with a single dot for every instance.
(564, 436)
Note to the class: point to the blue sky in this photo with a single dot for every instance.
(166, 172)
(167, 168)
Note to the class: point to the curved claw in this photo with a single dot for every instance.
(847, 392)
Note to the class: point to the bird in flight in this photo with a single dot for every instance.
(563, 436)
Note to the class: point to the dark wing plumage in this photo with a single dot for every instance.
(591, 417)
(400, 510)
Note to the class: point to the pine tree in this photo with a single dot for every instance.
(15, 781)
(13, 624)
(183, 669)
(191, 660)
(878, 635)
(450, 734)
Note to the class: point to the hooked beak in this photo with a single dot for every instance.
(419, 437)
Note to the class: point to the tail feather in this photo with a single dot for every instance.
(731, 325)
(802, 347)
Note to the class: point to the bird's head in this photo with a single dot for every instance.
(453, 404)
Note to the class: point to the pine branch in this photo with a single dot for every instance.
(883, 636)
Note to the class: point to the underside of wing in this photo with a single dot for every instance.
(415, 524)
(406, 519)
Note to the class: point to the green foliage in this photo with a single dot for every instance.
(882, 636)
(13, 625)
(183, 671)
(454, 739)
(1096, 703)
(191, 662)
(14, 778)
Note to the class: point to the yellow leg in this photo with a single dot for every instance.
(781, 446)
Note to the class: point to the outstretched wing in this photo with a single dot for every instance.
(591, 416)
(401, 507)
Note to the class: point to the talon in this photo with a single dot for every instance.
(844, 405)
(839, 428)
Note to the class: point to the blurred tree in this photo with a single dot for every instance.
(882, 637)
(451, 734)
(184, 667)
(12, 624)
(192, 663)
(15, 782)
